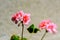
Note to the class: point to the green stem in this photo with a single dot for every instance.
(22, 30)
(44, 35)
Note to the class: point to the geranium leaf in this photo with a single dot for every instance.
(24, 38)
(15, 37)
(36, 30)
(31, 28)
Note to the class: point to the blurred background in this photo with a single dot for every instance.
(39, 10)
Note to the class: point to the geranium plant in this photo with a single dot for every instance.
(21, 17)
(24, 19)
(49, 26)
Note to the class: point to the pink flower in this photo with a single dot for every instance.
(15, 18)
(51, 27)
(26, 19)
(48, 26)
(21, 16)
(43, 24)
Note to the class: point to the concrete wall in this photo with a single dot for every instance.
(39, 9)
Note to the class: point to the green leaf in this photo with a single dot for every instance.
(36, 30)
(31, 28)
(24, 38)
(15, 37)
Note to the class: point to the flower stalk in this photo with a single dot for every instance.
(22, 30)
(44, 35)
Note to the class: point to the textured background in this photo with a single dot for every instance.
(39, 9)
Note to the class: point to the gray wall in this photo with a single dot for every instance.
(39, 9)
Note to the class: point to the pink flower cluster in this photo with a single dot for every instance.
(48, 25)
(21, 16)
(45, 24)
